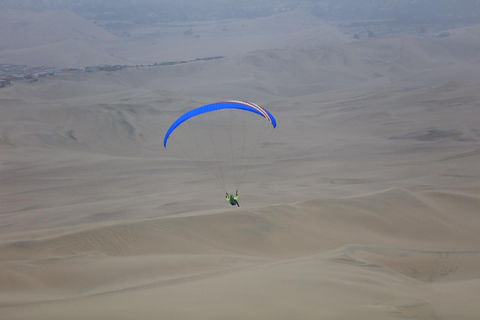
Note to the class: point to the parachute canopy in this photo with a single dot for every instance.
(229, 104)
(223, 140)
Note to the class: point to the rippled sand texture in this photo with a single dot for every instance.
(367, 207)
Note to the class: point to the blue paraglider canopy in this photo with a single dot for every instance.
(230, 104)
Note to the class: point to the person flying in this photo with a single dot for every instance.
(232, 199)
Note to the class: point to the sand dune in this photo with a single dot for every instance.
(28, 29)
(62, 38)
(425, 266)
(228, 38)
(52, 38)
(66, 53)
(274, 245)
(364, 204)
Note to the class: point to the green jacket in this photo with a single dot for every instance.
(231, 196)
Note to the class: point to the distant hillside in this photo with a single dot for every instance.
(26, 29)
(65, 39)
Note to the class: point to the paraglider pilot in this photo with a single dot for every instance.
(232, 199)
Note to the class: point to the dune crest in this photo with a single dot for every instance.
(363, 203)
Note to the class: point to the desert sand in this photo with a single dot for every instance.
(367, 205)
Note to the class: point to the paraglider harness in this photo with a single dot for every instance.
(232, 199)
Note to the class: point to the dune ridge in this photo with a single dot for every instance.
(307, 239)
(364, 204)
(390, 217)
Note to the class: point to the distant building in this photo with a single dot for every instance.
(4, 83)
(71, 70)
(116, 67)
(92, 68)
(40, 75)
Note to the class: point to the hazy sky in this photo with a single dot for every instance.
(418, 11)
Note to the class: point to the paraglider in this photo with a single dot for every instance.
(222, 139)
(232, 199)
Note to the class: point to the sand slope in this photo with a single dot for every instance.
(52, 38)
(365, 205)
(62, 38)
(254, 263)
